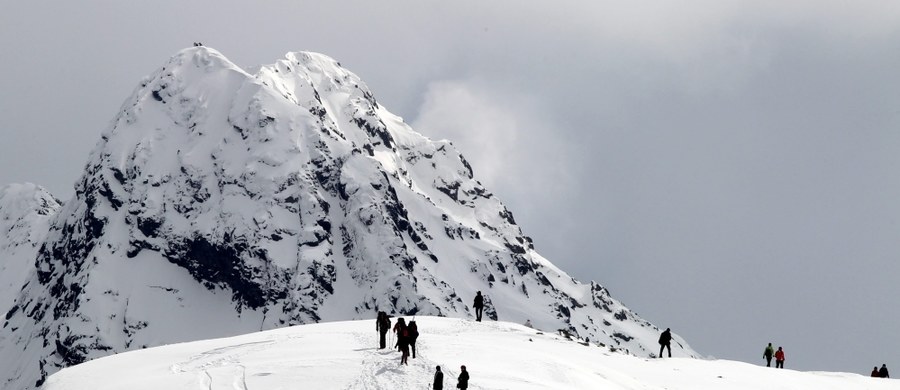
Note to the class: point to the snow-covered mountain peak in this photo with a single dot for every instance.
(25, 214)
(221, 202)
(21, 207)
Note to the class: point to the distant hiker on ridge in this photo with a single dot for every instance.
(478, 305)
(875, 373)
(462, 382)
(413, 333)
(382, 325)
(883, 372)
(438, 379)
(779, 358)
(665, 340)
(770, 351)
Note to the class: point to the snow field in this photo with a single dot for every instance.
(498, 355)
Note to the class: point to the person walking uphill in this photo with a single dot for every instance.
(412, 331)
(462, 382)
(382, 325)
(768, 355)
(665, 341)
(779, 358)
(399, 329)
(402, 340)
(883, 372)
(478, 305)
(438, 379)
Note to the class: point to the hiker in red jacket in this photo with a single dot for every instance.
(402, 340)
(779, 358)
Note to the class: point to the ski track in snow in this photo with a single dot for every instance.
(221, 368)
(219, 356)
(381, 368)
(224, 369)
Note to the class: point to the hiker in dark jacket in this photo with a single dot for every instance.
(883, 372)
(404, 353)
(665, 340)
(462, 382)
(438, 379)
(478, 305)
(413, 331)
(399, 329)
(402, 340)
(382, 325)
(875, 373)
(768, 353)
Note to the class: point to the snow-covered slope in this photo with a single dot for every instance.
(25, 213)
(497, 355)
(220, 202)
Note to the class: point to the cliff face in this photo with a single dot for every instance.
(25, 214)
(220, 202)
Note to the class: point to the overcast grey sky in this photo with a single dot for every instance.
(728, 169)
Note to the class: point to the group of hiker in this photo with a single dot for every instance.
(665, 340)
(880, 373)
(407, 334)
(462, 381)
(771, 352)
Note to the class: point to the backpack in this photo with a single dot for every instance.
(413, 329)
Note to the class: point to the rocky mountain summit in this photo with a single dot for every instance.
(221, 202)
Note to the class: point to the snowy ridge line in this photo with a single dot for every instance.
(498, 355)
(220, 202)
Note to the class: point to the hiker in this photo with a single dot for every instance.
(382, 325)
(528, 324)
(402, 340)
(883, 372)
(770, 351)
(665, 340)
(875, 373)
(404, 352)
(413, 331)
(779, 358)
(462, 382)
(438, 379)
(399, 329)
(478, 305)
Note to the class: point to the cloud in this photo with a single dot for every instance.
(515, 147)
(509, 140)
